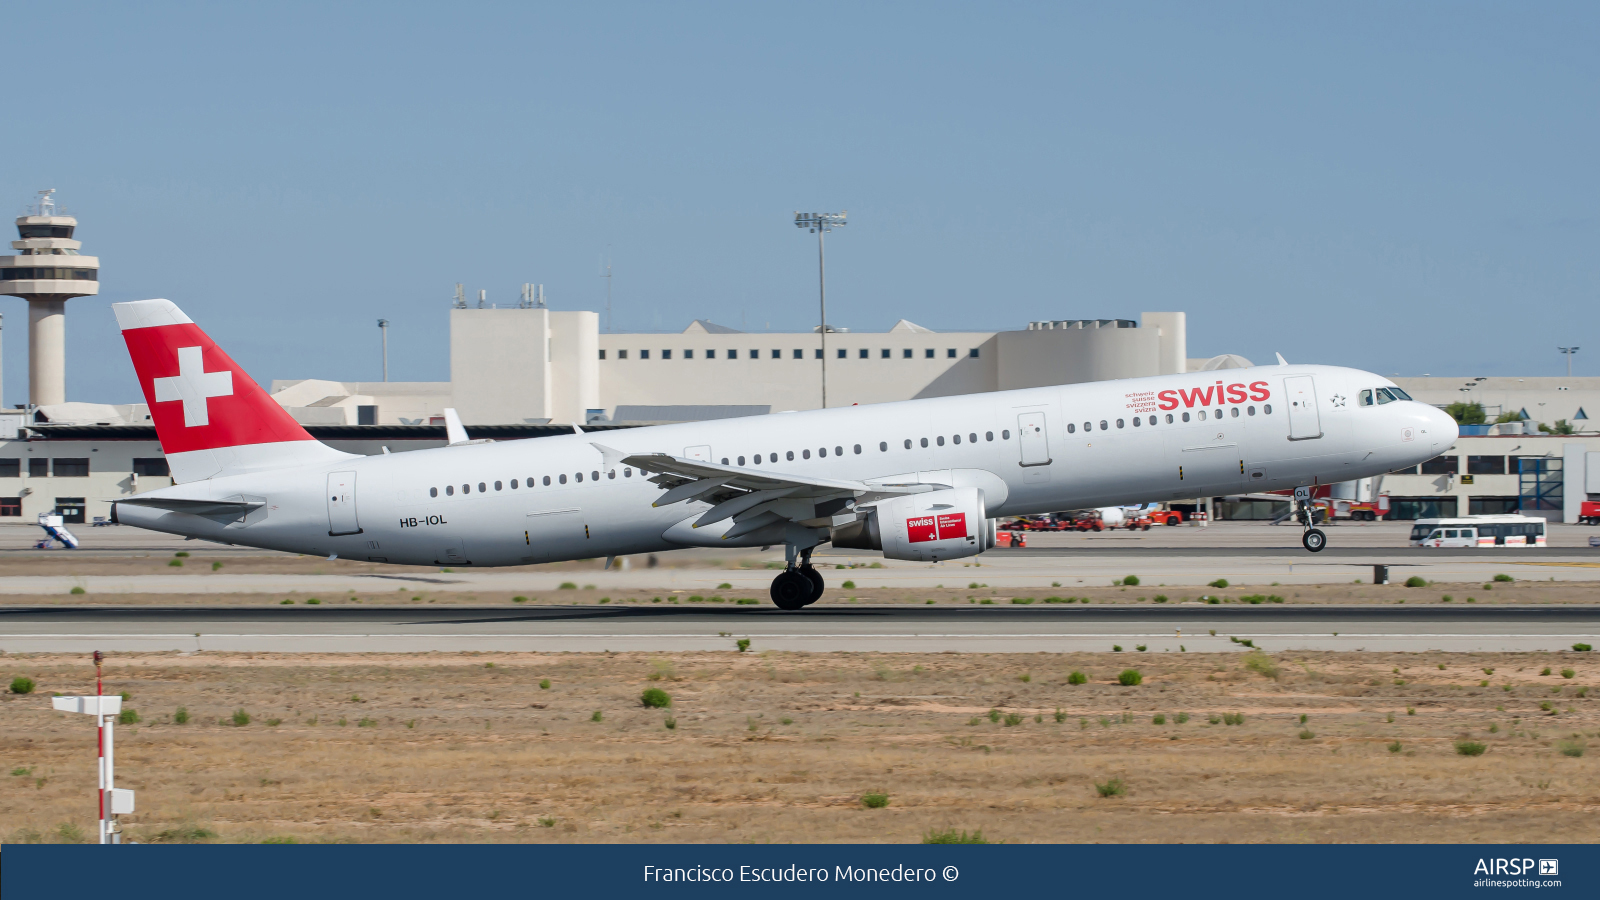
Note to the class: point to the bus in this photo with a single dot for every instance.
(1479, 531)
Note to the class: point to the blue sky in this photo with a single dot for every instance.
(1402, 187)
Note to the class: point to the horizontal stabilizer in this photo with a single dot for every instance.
(231, 508)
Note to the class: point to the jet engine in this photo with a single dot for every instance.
(928, 527)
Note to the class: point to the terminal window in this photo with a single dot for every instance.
(843, 353)
(10, 506)
(602, 354)
(777, 354)
(1442, 465)
(10, 468)
(622, 354)
(644, 354)
(865, 353)
(38, 468)
(885, 353)
(687, 354)
(153, 466)
(666, 354)
(951, 353)
(973, 353)
(1486, 465)
(906, 353)
(1491, 506)
(70, 509)
(72, 467)
(928, 353)
(799, 354)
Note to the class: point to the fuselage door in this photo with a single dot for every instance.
(1305, 421)
(1033, 440)
(342, 504)
(702, 453)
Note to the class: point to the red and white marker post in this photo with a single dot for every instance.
(112, 802)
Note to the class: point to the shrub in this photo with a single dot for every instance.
(544, 684)
(1219, 583)
(1507, 579)
(128, 717)
(1394, 747)
(1160, 598)
(181, 717)
(1545, 671)
(313, 602)
(848, 585)
(567, 586)
(76, 590)
(175, 563)
(1158, 719)
(519, 599)
(240, 718)
(22, 685)
(1306, 734)
(1077, 678)
(1025, 678)
(994, 715)
(1571, 748)
(183, 834)
(743, 644)
(1233, 718)
(1567, 673)
(1113, 787)
(1130, 678)
(1060, 716)
(362, 722)
(597, 717)
(1116, 648)
(725, 586)
(286, 602)
(655, 698)
(1140, 647)
(1215, 719)
(1131, 581)
(1261, 664)
(1013, 719)
(215, 566)
(873, 800)
(671, 723)
(1416, 581)
(1582, 648)
(1022, 601)
(1470, 748)
(952, 836)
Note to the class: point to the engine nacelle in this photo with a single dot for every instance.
(929, 527)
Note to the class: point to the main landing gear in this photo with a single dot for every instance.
(1313, 539)
(798, 586)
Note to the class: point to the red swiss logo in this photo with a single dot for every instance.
(942, 527)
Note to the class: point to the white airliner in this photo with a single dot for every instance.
(917, 480)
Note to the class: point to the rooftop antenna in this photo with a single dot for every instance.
(46, 205)
(483, 297)
(460, 301)
(607, 276)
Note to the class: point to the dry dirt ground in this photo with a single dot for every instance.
(776, 747)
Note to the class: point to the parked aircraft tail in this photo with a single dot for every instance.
(211, 417)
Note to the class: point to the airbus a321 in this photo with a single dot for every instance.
(916, 480)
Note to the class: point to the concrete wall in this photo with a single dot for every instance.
(500, 364)
(110, 475)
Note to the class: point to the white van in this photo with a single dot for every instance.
(1479, 531)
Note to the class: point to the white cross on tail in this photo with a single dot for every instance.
(193, 385)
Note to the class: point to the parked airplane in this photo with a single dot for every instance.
(916, 480)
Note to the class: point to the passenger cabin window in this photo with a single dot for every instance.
(1119, 423)
(564, 479)
(858, 449)
(972, 438)
(433, 492)
(482, 488)
(1005, 434)
(497, 486)
(1169, 418)
(939, 440)
(838, 451)
(1071, 428)
(924, 442)
(804, 454)
(822, 451)
(560, 478)
(988, 435)
(1266, 409)
(449, 490)
(788, 455)
(883, 446)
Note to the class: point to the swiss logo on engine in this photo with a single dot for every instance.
(936, 528)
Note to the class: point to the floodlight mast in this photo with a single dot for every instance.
(1567, 352)
(383, 328)
(821, 224)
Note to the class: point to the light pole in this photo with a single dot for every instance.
(1567, 352)
(822, 223)
(383, 329)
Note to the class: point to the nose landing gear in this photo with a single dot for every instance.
(1313, 539)
(798, 586)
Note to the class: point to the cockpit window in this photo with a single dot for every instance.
(1399, 394)
(1385, 396)
(1365, 398)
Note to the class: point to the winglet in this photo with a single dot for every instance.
(576, 429)
(454, 431)
(608, 456)
(1281, 360)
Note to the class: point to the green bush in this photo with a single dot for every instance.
(313, 602)
(1116, 648)
(1013, 719)
(22, 685)
(1582, 648)
(655, 698)
(1261, 664)
(725, 586)
(1567, 673)
(597, 717)
(1394, 747)
(175, 563)
(873, 800)
(567, 586)
(1507, 579)
(181, 717)
(671, 723)
(240, 718)
(1111, 788)
(1571, 748)
(1416, 581)
(848, 585)
(1306, 734)
(1022, 601)
(994, 715)
(1131, 581)
(544, 684)
(1233, 718)
(1130, 678)
(1075, 678)
(128, 717)
(952, 836)
(743, 644)
(1158, 719)
(1219, 583)
(519, 599)
(1470, 748)
(76, 590)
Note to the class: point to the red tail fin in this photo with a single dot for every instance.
(210, 416)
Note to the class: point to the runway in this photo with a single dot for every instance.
(1182, 628)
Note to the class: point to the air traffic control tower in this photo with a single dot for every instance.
(47, 272)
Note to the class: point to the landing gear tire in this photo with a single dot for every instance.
(791, 589)
(817, 584)
(1314, 540)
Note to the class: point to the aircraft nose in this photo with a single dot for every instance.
(1442, 429)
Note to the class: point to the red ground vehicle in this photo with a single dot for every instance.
(1589, 513)
(1165, 517)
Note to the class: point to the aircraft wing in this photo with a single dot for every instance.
(755, 498)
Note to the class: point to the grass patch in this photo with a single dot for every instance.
(874, 800)
(1114, 787)
(1022, 601)
(567, 586)
(128, 717)
(76, 590)
(240, 718)
(848, 585)
(1232, 718)
(1077, 678)
(1471, 748)
(22, 685)
(1262, 665)
(1219, 583)
(655, 698)
(1012, 719)
(183, 834)
(597, 717)
(952, 836)
(1571, 748)
(1130, 678)
(1504, 578)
